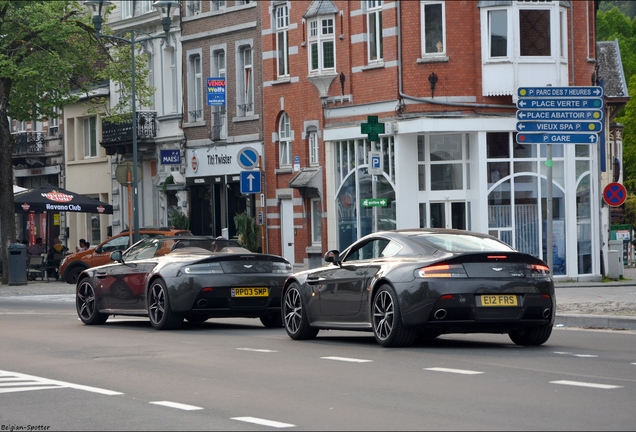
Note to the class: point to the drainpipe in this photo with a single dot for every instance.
(430, 100)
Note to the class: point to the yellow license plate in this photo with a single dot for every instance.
(498, 300)
(250, 292)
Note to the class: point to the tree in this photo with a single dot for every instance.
(49, 55)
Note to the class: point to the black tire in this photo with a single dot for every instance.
(159, 311)
(531, 336)
(295, 315)
(272, 320)
(387, 323)
(86, 304)
(73, 274)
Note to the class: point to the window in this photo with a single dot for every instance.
(22, 126)
(126, 8)
(446, 157)
(55, 121)
(316, 221)
(195, 85)
(145, 6)
(284, 141)
(322, 47)
(193, 7)
(433, 33)
(151, 80)
(219, 113)
(218, 4)
(246, 84)
(313, 148)
(171, 94)
(282, 43)
(374, 30)
(90, 137)
(534, 32)
(498, 33)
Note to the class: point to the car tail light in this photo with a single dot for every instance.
(538, 270)
(442, 271)
(281, 267)
(203, 268)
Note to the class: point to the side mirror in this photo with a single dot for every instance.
(116, 256)
(333, 256)
(99, 249)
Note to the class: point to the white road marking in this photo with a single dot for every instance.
(257, 350)
(41, 298)
(347, 359)
(585, 384)
(457, 371)
(177, 405)
(43, 383)
(263, 422)
(575, 355)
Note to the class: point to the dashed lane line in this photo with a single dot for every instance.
(586, 384)
(347, 359)
(177, 405)
(256, 350)
(263, 422)
(457, 371)
(576, 355)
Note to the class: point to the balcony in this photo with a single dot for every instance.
(28, 144)
(117, 136)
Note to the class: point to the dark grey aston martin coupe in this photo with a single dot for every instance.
(399, 284)
(170, 279)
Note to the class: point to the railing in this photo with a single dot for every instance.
(122, 131)
(28, 143)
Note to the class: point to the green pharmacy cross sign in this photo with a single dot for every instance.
(374, 202)
(372, 128)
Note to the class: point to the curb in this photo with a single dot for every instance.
(615, 322)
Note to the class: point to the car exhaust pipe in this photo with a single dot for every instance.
(440, 314)
(546, 313)
(202, 303)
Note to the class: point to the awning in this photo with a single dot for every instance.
(308, 182)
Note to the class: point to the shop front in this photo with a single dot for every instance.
(213, 178)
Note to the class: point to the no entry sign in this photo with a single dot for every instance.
(614, 194)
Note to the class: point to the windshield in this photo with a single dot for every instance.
(458, 243)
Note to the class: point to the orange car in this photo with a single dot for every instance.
(72, 265)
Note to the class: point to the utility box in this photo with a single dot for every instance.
(613, 264)
(17, 264)
(617, 245)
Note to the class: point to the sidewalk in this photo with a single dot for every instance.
(579, 304)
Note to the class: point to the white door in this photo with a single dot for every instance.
(287, 229)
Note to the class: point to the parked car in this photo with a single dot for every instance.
(399, 284)
(72, 265)
(195, 278)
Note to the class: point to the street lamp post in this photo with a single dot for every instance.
(98, 9)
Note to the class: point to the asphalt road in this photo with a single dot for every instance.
(234, 374)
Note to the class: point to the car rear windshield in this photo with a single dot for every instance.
(458, 243)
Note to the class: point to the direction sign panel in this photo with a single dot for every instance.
(560, 91)
(564, 115)
(547, 126)
(560, 103)
(614, 194)
(374, 202)
(250, 182)
(557, 138)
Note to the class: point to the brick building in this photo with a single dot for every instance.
(443, 78)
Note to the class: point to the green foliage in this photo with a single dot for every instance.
(629, 209)
(248, 230)
(178, 219)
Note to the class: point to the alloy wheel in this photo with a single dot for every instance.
(383, 314)
(293, 310)
(157, 303)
